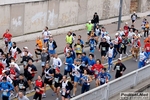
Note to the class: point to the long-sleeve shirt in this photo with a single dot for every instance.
(120, 67)
(57, 62)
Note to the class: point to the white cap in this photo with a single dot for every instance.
(12, 63)
(119, 59)
(4, 71)
(126, 22)
(89, 21)
(134, 12)
(25, 47)
(117, 34)
(43, 48)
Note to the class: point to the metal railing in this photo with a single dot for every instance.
(114, 87)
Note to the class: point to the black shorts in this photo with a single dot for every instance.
(29, 78)
(6, 44)
(37, 95)
(133, 21)
(46, 81)
(15, 83)
(103, 53)
(57, 85)
(66, 95)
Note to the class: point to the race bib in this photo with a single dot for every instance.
(4, 93)
(66, 67)
(25, 63)
(56, 80)
(29, 69)
(118, 67)
(102, 80)
(6, 39)
(110, 54)
(42, 63)
(20, 86)
(96, 72)
(63, 91)
(122, 46)
(103, 48)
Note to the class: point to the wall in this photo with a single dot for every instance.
(144, 5)
(28, 17)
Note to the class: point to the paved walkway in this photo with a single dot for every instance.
(60, 39)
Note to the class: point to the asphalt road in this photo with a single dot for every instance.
(127, 61)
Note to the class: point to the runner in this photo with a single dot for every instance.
(96, 68)
(31, 71)
(46, 34)
(146, 31)
(103, 48)
(49, 76)
(39, 88)
(86, 80)
(136, 44)
(14, 51)
(44, 59)
(7, 38)
(91, 62)
(133, 17)
(120, 68)
(126, 29)
(84, 60)
(76, 73)
(57, 63)
(22, 84)
(6, 88)
(69, 38)
(68, 64)
(14, 75)
(116, 43)
(89, 27)
(73, 55)
(5, 61)
(39, 46)
(110, 55)
(51, 45)
(78, 47)
(66, 88)
(92, 44)
(123, 46)
(58, 79)
(143, 57)
(103, 77)
(147, 49)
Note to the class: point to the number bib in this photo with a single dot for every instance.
(4, 93)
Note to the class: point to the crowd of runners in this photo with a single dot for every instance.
(79, 69)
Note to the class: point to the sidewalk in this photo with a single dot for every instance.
(60, 39)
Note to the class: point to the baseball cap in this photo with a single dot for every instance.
(57, 69)
(25, 47)
(116, 34)
(89, 21)
(4, 71)
(119, 59)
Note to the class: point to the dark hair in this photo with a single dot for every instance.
(14, 43)
(104, 69)
(98, 60)
(80, 36)
(4, 78)
(91, 55)
(46, 27)
(84, 53)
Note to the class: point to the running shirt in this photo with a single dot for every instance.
(31, 69)
(104, 46)
(102, 77)
(46, 34)
(39, 84)
(142, 56)
(147, 47)
(110, 52)
(85, 80)
(76, 70)
(47, 72)
(58, 78)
